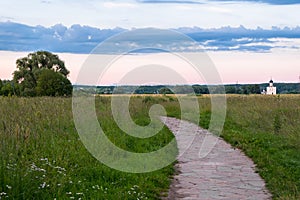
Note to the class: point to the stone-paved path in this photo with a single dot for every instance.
(225, 173)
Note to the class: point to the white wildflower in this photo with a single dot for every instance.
(43, 185)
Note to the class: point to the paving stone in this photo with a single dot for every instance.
(224, 173)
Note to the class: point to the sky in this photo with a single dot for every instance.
(151, 13)
(248, 41)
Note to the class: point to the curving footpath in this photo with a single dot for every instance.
(224, 173)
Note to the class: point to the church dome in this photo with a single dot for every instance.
(271, 81)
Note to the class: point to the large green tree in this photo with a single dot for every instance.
(31, 67)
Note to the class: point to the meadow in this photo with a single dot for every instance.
(42, 156)
(267, 129)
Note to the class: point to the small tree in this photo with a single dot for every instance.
(165, 90)
(245, 89)
(230, 90)
(254, 89)
(7, 88)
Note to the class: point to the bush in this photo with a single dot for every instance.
(51, 83)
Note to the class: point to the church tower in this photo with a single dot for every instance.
(271, 90)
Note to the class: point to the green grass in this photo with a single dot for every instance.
(42, 157)
(267, 129)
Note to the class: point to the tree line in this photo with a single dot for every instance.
(39, 74)
(282, 88)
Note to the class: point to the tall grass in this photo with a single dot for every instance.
(42, 157)
(267, 129)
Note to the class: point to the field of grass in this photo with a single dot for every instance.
(42, 157)
(267, 129)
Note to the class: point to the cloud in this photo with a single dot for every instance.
(219, 10)
(58, 38)
(83, 39)
(170, 1)
(272, 2)
(119, 5)
(5, 18)
(46, 2)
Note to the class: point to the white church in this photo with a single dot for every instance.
(271, 90)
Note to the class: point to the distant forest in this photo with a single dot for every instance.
(282, 88)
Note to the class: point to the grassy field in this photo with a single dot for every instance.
(42, 157)
(267, 129)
